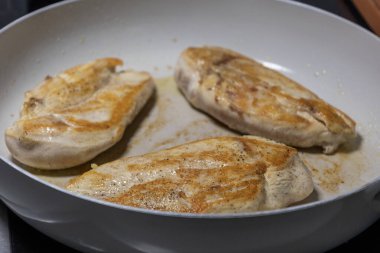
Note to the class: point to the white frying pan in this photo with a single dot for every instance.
(336, 59)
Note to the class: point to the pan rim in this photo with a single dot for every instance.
(289, 2)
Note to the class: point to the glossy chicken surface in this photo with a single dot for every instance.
(253, 99)
(70, 118)
(216, 175)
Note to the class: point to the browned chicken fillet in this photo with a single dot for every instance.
(69, 119)
(253, 99)
(216, 175)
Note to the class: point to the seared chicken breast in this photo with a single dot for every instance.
(216, 175)
(69, 119)
(253, 99)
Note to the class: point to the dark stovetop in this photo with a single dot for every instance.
(25, 239)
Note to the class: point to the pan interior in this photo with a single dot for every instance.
(150, 35)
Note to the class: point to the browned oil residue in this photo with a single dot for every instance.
(190, 133)
(331, 172)
(165, 89)
(179, 134)
(185, 133)
(160, 120)
(327, 176)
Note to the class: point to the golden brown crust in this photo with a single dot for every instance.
(117, 107)
(238, 78)
(234, 88)
(66, 92)
(72, 117)
(69, 88)
(224, 174)
(163, 194)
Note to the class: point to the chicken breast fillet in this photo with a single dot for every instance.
(216, 175)
(253, 99)
(69, 119)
